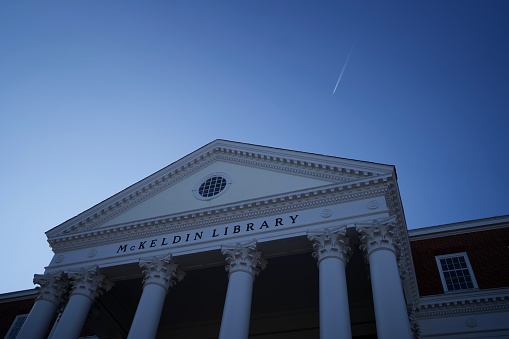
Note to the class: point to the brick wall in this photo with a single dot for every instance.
(487, 250)
(9, 311)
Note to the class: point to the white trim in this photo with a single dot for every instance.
(223, 175)
(469, 267)
(459, 228)
(15, 326)
(18, 295)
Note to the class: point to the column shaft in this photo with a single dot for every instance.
(87, 284)
(390, 306)
(334, 310)
(160, 274)
(74, 317)
(244, 263)
(381, 242)
(332, 251)
(52, 288)
(37, 323)
(237, 306)
(148, 313)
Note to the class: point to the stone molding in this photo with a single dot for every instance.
(52, 287)
(468, 302)
(230, 213)
(330, 243)
(406, 263)
(379, 235)
(243, 258)
(161, 271)
(89, 282)
(337, 170)
(414, 323)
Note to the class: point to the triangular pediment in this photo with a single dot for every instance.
(251, 173)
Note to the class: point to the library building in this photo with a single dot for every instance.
(238, 241)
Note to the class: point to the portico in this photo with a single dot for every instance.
(298, 234)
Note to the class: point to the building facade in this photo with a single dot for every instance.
(314, 247)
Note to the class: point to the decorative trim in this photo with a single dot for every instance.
(405, 262)
(330, 243)
(52, 287)
(173, 173)
(379, 235)
(459, 228)
(243, 258)
(326, 213)
(89, 282)
(161, 271)
(468, 302)
(471, 322)
(227, 213)
(373, 205)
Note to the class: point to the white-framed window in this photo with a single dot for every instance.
(16, 326)
(455, 272)
(212, 186)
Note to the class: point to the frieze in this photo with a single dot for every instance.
(460, 309)
(226, 231)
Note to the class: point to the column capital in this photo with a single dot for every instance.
(52, 286)
(162, 271)
(379, 235)
(330, 243)
(89, 282)
(243, 257)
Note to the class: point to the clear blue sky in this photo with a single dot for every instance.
(96, 95)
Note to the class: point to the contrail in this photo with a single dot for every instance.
(343, 70)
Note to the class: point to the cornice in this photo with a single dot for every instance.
(272, 205)
(459, 228)
(405, 260)
(315, 166)
(19, 295)
(478, 301)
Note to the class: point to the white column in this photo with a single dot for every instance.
(53, 287)
(244, 263)
(160, 274)
(332, 252)
(87, 284)
(381, 244)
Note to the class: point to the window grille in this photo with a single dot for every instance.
(16, 326)
(455, 272)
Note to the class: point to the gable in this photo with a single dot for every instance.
(247, 183)
(255, 172)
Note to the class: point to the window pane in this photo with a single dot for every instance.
(455, 272)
